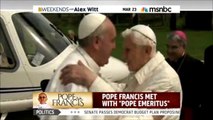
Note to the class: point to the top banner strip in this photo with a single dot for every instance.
(185, 5)
(107, 9)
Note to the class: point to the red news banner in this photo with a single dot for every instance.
(136, 100)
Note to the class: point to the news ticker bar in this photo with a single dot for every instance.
(107, 9)
(81, 100)
(106, 111)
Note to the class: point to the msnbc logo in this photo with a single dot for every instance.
(144, 9)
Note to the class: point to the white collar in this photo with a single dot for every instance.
(90, 62)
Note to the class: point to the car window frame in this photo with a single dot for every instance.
(11, 47)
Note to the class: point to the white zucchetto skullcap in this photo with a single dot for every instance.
(144, 30)
(89, 24)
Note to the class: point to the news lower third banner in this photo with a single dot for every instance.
(106, 103)
(106, 9)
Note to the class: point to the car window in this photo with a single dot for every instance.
(41, 40)
(7, 60)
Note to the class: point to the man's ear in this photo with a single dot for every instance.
(148, 49)
(96, 42)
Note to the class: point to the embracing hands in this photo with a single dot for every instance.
(78, 74)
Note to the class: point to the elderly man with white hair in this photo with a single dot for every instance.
(149, 70)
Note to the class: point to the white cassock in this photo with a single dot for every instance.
(56, 86)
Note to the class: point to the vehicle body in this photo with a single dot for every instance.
(31, 48)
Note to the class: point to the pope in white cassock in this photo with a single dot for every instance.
(96, 35)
